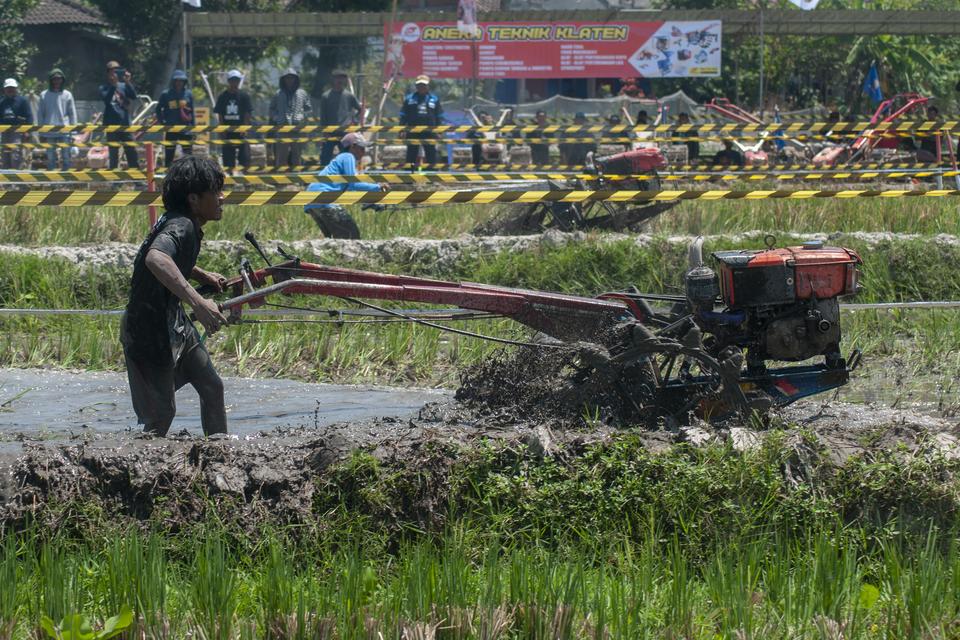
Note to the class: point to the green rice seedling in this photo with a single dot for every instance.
(9, 578)
(137, 573)
(276, 593)
(57, 574)
(732, 581)
(213, 590)
(680, 593)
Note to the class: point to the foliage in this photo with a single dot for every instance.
(14, 52)
(79, 627)
(803, 71)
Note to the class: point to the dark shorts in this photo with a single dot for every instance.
(153, 388)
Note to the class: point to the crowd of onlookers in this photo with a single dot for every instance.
(292, 105)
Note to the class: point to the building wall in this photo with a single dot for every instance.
(81, 54)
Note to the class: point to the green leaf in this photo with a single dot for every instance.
(48, 627)
(869, 595)
(116, 625)
(76, 627)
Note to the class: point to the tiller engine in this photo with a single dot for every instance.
(711, 352)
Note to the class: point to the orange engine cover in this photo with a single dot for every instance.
(777, 276)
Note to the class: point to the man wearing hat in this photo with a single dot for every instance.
(14, 109)
(119, 96)
(333, 220)
(57, 108)
(338, 108)
(421, 109)
(234, 108)
(175, 107)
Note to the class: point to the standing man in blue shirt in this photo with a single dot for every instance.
(119, 96)
(175, 106)
(421, 108)
(333, 220)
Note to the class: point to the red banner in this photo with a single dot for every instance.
(555, 50)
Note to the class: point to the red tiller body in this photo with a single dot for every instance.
(782, 275)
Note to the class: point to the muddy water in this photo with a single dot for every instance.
(58, 405)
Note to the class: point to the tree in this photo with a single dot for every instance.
(14, 52)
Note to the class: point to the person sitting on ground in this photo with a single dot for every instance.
(175, 107)
(333, 219)
(161, 346)
(14, 110)
(728, 156)
(57, 108)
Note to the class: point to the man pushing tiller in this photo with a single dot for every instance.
(161, 346)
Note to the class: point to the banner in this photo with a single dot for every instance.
(555, 50)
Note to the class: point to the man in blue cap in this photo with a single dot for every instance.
(421, 108)
(175, 107)
(333, 220)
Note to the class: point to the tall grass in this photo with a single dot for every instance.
(814, 586)
(70, 226)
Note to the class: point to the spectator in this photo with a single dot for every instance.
(175, 107)
(927, 148)
(728, 155)
(575, 153)
(421, 109)
(613, 120)
(540, 151)
(338, 107)
(693, 147)
(290, 105)
(234, 108)
(118, 96)
(14, 110)
(645, 138)
(57, 108)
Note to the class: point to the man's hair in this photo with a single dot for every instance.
(187, 175)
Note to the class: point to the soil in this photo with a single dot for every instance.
(443, 253)
(274, 474)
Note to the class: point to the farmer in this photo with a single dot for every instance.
(333, 220)
(162, 348)
(421, 109)
(175, 107)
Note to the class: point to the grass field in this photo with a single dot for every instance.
(613, 542)
(69, 226)
(605, 541)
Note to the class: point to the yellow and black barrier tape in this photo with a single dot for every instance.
(904, 127)
(35, 198)
(284, 179)
(678, 139)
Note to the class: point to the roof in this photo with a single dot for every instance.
(63, 12)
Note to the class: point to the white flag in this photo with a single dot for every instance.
(467, 18)
(806, 5)
(193, 3)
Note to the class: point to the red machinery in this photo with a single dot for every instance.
(754, 154)
(708, 353)
(869, 140)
